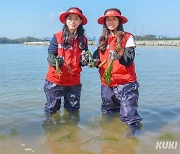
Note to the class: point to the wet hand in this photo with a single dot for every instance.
(112, 54)
(96, 62)
(61, 60)
(84, 58)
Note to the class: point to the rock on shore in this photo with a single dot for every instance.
(159, 43)
(37, 43)
(141, 43)
(47, 43)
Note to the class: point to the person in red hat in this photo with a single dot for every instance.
(115, 59)
(66, 54)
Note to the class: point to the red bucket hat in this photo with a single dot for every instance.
(76, 11)
(111, 13)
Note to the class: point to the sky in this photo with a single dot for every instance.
(40, 18)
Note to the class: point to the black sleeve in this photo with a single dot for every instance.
(86, 45)
(53, 47)
(96, 54)
(127, 57)
(51, 60)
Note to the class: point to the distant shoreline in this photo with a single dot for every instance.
(37, 43)
(47, 43)
(138, 43)
(158, 43)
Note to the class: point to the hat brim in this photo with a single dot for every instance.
(63, 16)
(101, 19)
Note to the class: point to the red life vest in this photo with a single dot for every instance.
(70, 70)
(120, 74)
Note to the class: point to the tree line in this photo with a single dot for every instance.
(5, 40)
(154, 37)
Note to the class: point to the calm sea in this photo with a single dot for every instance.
(23, 128)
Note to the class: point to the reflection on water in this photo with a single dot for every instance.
(62, 132)
(103, 135)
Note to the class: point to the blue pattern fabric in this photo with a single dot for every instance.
(122, 98)
(54, 93)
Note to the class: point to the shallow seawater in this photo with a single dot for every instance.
(25, 129)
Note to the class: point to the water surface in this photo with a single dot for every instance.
(23, 128)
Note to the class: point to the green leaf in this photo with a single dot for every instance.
(91, 64)
(102, 139)
(69, 136)
(107, 73)
(166, 136)
(57, 64)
